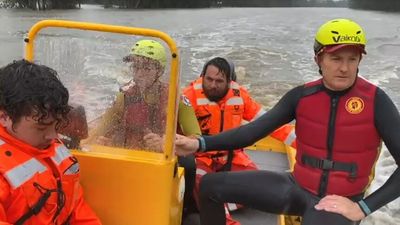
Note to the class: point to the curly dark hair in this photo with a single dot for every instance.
(29, 89)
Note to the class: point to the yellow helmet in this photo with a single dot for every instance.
(339, 33)
(150, 49)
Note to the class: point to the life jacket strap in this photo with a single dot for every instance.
(326, 164)
(35, 209)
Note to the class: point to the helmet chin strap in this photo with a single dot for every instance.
(317, 60)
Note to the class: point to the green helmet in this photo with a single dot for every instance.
(339, 33)
(150, 49)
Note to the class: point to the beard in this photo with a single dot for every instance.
(214, 94)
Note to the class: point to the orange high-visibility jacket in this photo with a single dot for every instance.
(228, 113)
(27, 173)
(286, 134)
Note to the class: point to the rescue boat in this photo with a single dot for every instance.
(126, 186)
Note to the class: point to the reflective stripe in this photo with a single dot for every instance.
(205, 101)
(197, 86)
(235, 101)
(73, 169)
(226, 210)
(62, 153)
(259, 114)
(234, 85)
(1, 142)
(232, 206)
(24, 172)
(290, 138)
(200, 172)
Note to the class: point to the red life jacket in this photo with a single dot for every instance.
(355, 141)
(143, 113)
(29, 176)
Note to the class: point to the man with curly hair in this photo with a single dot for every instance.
(39, 178)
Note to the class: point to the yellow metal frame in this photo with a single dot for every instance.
(128, 186)
(268, 144)
(174, 70)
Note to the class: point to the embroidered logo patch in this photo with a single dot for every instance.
(354, 105)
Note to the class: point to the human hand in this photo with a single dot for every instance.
(102, 140)
(185, 146)
(341, 205)
(153, 141)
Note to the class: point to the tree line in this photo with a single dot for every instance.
(384, 5)
(151, 4)
(43, 4)
(134, 4)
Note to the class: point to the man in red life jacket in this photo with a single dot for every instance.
(39, 178)
(341, 119)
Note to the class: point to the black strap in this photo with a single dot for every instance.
(60, 200)
(311, 90)
(35, 209)
(228, 165)
(326, 164)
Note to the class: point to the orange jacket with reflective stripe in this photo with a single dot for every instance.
(26, 173)
(228, 113)
(286, 134)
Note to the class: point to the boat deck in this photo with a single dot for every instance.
(265, 160)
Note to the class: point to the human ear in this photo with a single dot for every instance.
(5, 120)
(317, 61)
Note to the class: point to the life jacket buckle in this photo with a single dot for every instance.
(325, 164)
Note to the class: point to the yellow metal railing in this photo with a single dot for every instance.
(174, 69)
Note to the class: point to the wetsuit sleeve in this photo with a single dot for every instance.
(252, 109)
(283, 112)
(387, 122)
(4, 192)
(82, 213)
(187, 118)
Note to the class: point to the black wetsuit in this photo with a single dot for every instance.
(278, 192)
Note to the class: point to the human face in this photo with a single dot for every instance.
(145, 71)
(31, 131)
(215, 84)
(339, 68)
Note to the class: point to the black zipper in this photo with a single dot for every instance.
(331, 136)
(221, 128)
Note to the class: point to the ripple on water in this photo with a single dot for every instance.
(389, 49)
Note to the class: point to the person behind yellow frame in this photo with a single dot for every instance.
(137, 117)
